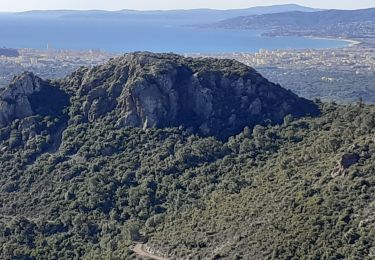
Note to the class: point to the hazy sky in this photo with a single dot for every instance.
(22, 5)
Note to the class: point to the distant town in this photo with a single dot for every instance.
(340, 74)
(48, 63)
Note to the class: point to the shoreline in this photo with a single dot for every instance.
(350, 41)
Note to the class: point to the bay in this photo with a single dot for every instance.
(126, 35)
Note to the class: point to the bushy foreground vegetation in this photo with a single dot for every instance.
(266, 193)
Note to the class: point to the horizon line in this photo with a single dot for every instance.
(182, 9)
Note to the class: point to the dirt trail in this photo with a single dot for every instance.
(142, 251)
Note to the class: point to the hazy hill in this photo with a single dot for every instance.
(301, 19)
(352, 24)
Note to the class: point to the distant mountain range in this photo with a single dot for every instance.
(301, 19)
(196, 15)
(359, 24)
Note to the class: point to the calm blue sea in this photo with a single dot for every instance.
(139, 35)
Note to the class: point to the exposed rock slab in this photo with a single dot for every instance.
(14, 100)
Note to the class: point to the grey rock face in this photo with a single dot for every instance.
(214, 97)
(14, 100)
(29, 95)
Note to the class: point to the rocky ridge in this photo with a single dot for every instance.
(206, 96)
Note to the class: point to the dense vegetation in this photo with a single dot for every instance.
(288, 205)
(265, 193)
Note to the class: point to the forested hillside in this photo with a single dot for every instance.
(294, 191)
(77, 181)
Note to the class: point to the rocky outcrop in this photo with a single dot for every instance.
(344, 163)
(29, 95)
(205, 96)
(14, 100)
(209, 96)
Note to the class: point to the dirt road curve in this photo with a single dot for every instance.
(141, 250)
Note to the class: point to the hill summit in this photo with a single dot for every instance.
(205, 96)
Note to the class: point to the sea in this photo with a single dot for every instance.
(127, 35)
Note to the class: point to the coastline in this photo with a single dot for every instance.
(351, 42)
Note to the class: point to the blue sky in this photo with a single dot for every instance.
(22, 5)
